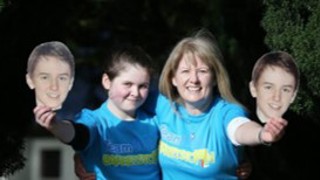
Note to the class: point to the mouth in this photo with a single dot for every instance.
(275, 107)
(193, 89)
(134, 100)
(53, 95)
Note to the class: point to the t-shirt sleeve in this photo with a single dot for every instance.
(86, 126)
(81, 139)
(234, 116)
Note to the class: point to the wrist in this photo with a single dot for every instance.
(261, 141)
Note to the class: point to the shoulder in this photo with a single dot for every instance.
(227, 105)
(87, 114)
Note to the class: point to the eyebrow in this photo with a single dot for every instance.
(285, 85)
(46, 73)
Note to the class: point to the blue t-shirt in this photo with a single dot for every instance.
(197, 146)
(119, 149)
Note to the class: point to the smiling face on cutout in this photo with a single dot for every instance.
(274, 92)
(52, 80)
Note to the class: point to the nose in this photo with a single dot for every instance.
(54, 84)
(135, 90)
(193, 76)
(277, 95)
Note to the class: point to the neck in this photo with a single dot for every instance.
(198, 107)
(123, 115)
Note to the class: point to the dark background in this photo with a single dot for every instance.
(91, 27)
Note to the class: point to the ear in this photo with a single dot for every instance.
(106, 83)
(71, 84)
(29, 81)
(294, 96)
(253, 89)
(174, 82)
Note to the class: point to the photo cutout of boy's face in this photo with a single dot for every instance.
(274, 92)
(51, 80)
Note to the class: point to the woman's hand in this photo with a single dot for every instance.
(273, 130)
(244, 170)
(80, 171)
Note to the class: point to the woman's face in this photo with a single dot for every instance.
(194, 82)
(274, 92)
(51, 80)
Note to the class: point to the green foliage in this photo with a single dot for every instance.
(1, 4)
(294, 26)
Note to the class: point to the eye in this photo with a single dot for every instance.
(183, 70)
(203, 71)
(63, 78)
(267, 87)
(144, 86)
(43, 77)
(287, 90)
(127, 84)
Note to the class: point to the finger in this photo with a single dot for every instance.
(44, 118)
(48, 120)
(279, 122)
(276, 127)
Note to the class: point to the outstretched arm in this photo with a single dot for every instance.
(252, 133)
(62, 129)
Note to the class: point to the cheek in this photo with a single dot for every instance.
(144, 93)
(117, 93)
(64, 86)
(287, 101)
(181, 78)
(41, 87)
(262, 94)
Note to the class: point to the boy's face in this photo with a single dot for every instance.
(127, 91)
(274, 92)
(51, 80)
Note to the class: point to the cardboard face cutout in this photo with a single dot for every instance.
(52, 80)
(274, 92)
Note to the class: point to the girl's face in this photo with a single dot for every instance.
(274, 92)
(194, 82)
(127, 91)
(51, 80)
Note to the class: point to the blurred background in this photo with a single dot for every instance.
(244, 29)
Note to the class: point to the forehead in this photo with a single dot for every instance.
(52, 64)
(277, 75)
(190, 59)
(131, 71)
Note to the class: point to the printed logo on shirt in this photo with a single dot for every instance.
(200, 157)
(130, 160)
(169, 136)
(119, 148)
